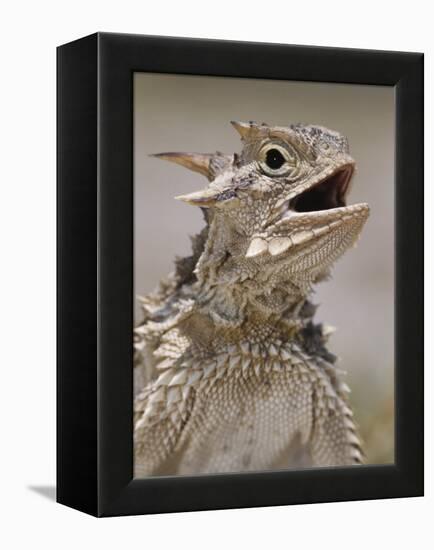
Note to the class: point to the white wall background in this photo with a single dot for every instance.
(29, 33)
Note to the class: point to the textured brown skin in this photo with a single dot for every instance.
(231, 373)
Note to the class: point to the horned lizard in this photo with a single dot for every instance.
(231, 373)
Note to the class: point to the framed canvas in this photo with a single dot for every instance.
(216, 386)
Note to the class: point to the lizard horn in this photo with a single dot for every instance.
(245, 129)
(197, 162)
(205, 198)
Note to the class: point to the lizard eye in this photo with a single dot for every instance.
(274, 159)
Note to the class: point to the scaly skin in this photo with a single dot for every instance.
(231, 372)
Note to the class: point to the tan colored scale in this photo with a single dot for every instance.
(231, 372)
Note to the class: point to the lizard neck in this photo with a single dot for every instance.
(210, 327)
(234, 291)
(208, 337)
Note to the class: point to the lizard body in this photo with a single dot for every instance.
(231, 372)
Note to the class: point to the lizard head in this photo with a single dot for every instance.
(278, 209)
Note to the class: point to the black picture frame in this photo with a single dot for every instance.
(95, 273)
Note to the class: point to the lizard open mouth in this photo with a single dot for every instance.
(329, 193)
(312, 216)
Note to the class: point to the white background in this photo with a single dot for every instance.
(29, 34)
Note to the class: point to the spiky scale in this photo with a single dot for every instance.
(272, 350)
(279, 245)
(221, 360)
(255, 350)
(245, 347)
(257, 367)
(257, 247)
(194, 376)
(284, 353)
(173, 395)
(179, 378)
(165, 364)
(165, 378)
(234, 361)
(209, 369)
(158, 395)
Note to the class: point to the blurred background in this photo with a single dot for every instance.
(191, 113)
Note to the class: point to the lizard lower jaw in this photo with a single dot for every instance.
(296, 230)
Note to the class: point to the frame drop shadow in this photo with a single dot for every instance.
(47, 491)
